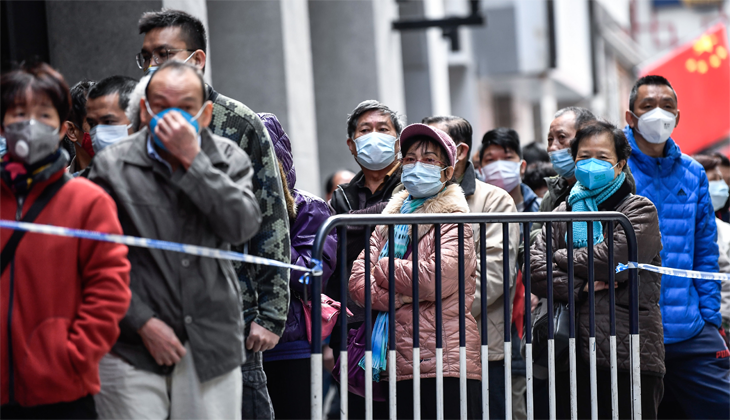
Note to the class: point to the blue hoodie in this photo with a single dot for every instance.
(678, 187)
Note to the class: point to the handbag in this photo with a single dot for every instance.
(356, 374)
(330, 311)
(561, 334)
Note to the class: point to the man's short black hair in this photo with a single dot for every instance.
(459, 130)
(598, 127)
(396, 118)
(78, 102)
(507, 138)
(122, 85)
(536, 173)
(651, 80)
(191, 27)
(535, 153)
(177, 66)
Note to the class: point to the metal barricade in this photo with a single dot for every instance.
(524, 220)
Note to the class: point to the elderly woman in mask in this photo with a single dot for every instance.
(600, 151)
(428, 166)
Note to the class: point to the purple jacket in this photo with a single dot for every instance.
(312, 212)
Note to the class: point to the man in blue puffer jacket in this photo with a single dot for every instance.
(696, 384)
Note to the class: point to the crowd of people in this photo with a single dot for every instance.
(93, 329)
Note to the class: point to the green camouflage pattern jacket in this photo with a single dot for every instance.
(265, 289)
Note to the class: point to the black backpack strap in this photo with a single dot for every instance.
(8, 252)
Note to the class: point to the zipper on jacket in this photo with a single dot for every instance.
(11, 369)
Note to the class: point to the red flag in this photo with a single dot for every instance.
(699, 72)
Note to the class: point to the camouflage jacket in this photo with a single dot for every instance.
(265, 289)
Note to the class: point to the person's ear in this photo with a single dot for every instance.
(144, 116)
(207, 116)
(353, 148)
(619, 167)
(523, 168)
(62, 130)
(447, 174)
(630, 119)
(72, 133)
(462, 151)
(677, 120)
(397, 146)
(198, 59)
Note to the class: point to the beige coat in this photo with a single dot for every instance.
(451, 200)
(490, 199)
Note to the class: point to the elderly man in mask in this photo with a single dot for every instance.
(181, 346)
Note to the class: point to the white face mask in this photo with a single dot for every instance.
(105, 135)
(504, 174)
(656, 125)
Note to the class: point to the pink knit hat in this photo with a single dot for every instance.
(413, 131)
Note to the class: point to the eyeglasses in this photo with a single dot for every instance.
(410, 160)
(159, 56)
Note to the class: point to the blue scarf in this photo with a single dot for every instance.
(583, 199)
(402, 238)
(380, 328)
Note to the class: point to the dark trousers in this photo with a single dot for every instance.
(289, 388)
(496, 390)
(404, 392)
(652, 390)
(83, 408)
(697, 383)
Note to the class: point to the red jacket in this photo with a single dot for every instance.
(68, 297)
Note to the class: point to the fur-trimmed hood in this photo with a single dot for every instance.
(450, 200)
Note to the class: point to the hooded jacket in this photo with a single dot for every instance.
(678, 187)
(311, 213)
(643, 217)
(451, 200)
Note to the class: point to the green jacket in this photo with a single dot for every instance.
(265, 289)
(558, 190)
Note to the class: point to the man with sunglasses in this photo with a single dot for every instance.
(176, 35)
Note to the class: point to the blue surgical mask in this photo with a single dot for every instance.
(421, 179)
(375, 151)
(594, 173)
(151, 70)
(3, 146)
(157, 117)
(563, 163)
(105, 135)
(719, 193)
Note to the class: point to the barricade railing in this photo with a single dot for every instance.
(523, 220)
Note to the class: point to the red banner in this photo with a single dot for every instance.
(699, 72)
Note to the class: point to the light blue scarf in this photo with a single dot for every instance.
(583, 199)
(380, 328)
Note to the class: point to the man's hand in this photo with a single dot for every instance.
(161, 342)
(260, 339)
(534, 301)
(179, 137)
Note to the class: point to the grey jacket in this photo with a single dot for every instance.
(211, 205)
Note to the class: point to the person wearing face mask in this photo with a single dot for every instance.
(600, 151)
(501, 165)
(372, 137)
(719, 194)
(429, 156)
(484, 198)
(105, 105)
(171, 34)
(697, 383)
(77, 129)
(181, 346)
(62, 298)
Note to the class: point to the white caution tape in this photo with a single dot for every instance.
(674, 271)
(155, 244)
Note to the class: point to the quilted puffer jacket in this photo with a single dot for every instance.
(643, 216)
(678, 187)
(451, 200)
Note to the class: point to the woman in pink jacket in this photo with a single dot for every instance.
(428, 166)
